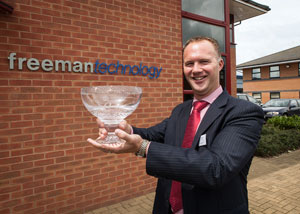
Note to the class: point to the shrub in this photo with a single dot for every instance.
(284, 122)
(279, 135)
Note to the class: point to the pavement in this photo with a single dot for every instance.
(273, 188)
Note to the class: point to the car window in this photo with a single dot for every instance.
(243, 97)
(277, 103)
(253, 100)
(293, 103)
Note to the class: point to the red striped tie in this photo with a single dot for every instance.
(190, 131)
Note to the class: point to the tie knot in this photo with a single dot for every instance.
(199, 105)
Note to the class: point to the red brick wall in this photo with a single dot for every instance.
(46, 165)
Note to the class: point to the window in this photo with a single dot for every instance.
(256, 73)
(192, 28)
(209, 8)
(275, 95)
(257, 96)
(274, 72)
(242, 97)
(208, 18)
(299, 69)
(294, 103)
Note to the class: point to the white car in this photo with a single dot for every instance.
(248, 98)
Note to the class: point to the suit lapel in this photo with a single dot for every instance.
(213, 112)
(182, 122)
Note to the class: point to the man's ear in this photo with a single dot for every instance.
(221, 64)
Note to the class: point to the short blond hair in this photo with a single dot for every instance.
(203, 38)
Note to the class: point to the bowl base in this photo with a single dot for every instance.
(110, 139)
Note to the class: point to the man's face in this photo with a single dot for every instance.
(201, 67)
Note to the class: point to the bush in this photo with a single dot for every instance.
(279, 135)
(284, 122)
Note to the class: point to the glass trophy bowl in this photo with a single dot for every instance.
(111, 104)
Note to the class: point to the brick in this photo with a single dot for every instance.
(22, 152)
(34, 170)
(34, 210)
(5, 211)
(55, 154)
(64, 184)
(32, 184)
(33, 157)
(11, 203)
(44, 162)
(54, 193)
(54, 180)
(9, 189)
(23, 207)
(9, 175)
(4, 154)
(4, 161)
(64, 159)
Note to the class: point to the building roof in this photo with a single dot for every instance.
(265, 7)
(246, 9)
(282, 57)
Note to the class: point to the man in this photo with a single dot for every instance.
(204, 172)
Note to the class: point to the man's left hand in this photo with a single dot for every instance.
(132, 143)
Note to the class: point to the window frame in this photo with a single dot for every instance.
(226, 24)
(274, 93)
(255, 94)
(252, 74)
(274, 71)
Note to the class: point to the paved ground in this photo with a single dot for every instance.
(274, 188)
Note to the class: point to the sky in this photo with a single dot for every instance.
(274, 31)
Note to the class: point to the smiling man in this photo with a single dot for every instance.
(202, 63)
(203, 151)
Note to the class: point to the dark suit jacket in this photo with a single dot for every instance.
(213, 176)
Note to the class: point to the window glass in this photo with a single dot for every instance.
(191, 28)
(257, 96)
(251, 99)
(223, 74)
(209, 8)
(274, 72)
(186, 85)
(231, 34)
(275, 95)
(243, 97)
(299, 69)
(256, 73)
(293, 103)
(188, 97)
(277, 103)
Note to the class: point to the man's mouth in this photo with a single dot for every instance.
(198, 78)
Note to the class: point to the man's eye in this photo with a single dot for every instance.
(188, 64)
(204, 61)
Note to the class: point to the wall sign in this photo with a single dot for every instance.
(48, 65)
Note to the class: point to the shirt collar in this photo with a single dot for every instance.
(211, 98)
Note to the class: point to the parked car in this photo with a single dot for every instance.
(281, 107)
(248, 98)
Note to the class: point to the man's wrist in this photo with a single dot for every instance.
(142, 151)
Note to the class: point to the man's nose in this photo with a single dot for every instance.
(197, 67)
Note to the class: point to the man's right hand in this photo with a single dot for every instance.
(103, 132)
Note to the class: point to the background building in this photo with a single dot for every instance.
(239, 81)
(273, 76)
(49, 50)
